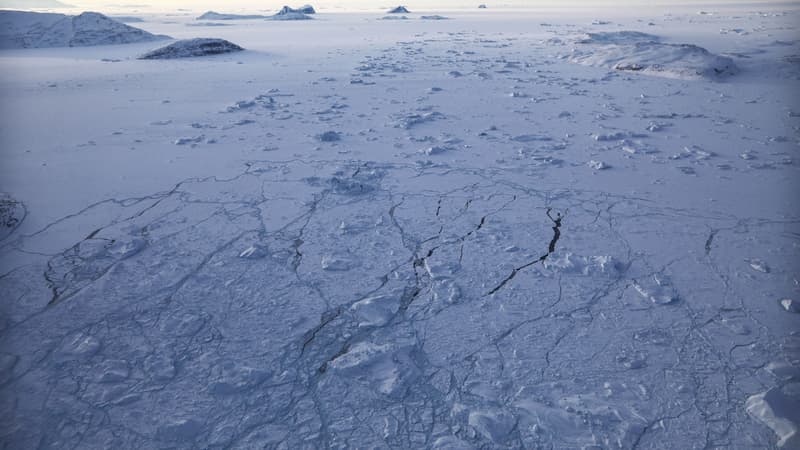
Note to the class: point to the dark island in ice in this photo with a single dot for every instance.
(306, 9)
(287, 13)
(399, 10)
(189, 48)
(641, 52)
(22, 29)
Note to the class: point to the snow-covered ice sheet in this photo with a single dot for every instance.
(421, 234)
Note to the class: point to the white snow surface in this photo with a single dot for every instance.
(21, 29)
(363, 233)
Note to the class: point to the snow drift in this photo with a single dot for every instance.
(213, 15)
(189, 48)
(21, 29)
(646, 53)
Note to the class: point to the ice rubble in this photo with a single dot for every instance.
(12, 213)
(213, 15)
(21, 29)
(189, 48)
(790, 305)
(641, 52)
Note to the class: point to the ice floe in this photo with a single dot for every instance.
(779, 409)
(376, 311)
(790, 305)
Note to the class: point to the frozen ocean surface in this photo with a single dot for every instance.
(542, 228)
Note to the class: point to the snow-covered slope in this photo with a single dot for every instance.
(213, 15)
(189, 48)
(645, 53)
(21, 29)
